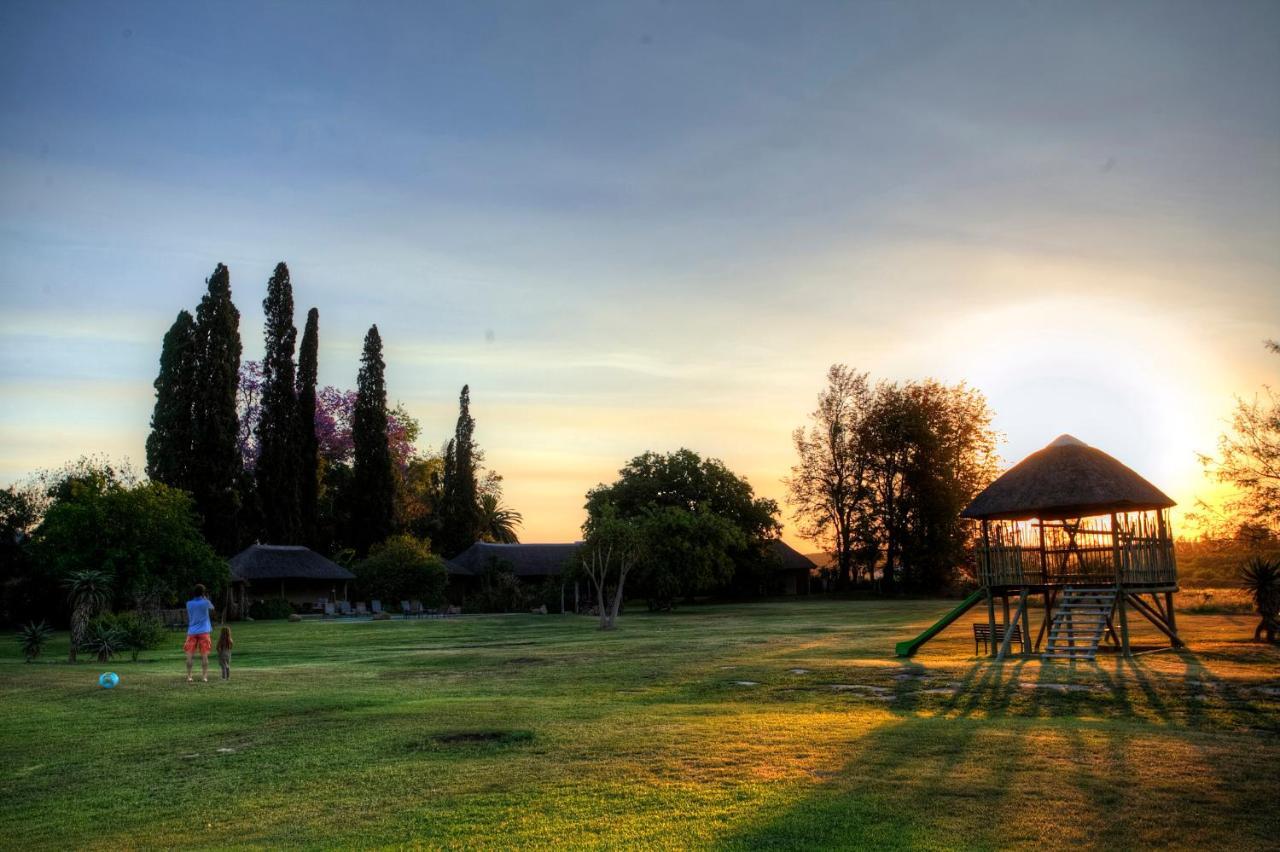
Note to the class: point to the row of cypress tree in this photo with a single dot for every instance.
(195, 428)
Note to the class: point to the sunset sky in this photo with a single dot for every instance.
(636, 226)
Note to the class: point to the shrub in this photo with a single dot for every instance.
(402, 569)
(270, 609)
(32, 637)
(500, 591)
(103, 637)
(141, 632)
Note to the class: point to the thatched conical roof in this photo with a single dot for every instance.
(1067, 479)
(285, 562)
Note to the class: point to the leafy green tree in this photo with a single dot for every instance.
(828, 488)
(143, 537)
(930, 448)
(704, 527)
(372, 482)
(1248, 460)
(400, 569)
(278, 451)
(170, 444)
(307, 443)
(612, 547)
(460, 519)
(88, 592)
(20, 591)
(217, 474)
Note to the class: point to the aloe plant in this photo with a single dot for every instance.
(1261, 578)
(32, 637)
(103, 638)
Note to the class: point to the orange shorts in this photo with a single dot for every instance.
(197, 643)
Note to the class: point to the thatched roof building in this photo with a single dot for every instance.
(524, 560)
(285, 562)
(294, 573)
(795, 575)
(1067, 479)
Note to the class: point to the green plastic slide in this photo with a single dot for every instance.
(908, 649)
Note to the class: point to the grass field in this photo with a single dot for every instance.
(776, 724)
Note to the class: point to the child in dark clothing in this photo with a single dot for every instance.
(224, 652)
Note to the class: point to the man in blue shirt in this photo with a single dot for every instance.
(199, 627)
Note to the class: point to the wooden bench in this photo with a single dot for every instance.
(982, 634)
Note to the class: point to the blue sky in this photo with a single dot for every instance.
(646, 225)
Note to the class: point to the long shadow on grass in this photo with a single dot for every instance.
(936, 775)
(968, 771)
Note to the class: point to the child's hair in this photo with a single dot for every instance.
(224, 639)
(199, 590)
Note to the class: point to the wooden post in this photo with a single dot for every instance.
(984, 558)
(991, 622)
(1009, 626)
(1004, 603)
(1173, 620)
(1044, 557)
(1124, 623)
(1047, 620)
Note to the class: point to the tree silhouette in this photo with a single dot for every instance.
(277, 432)
(216, 475)
(308, 446)
(460, 521)
(372, 486)
(169, 446)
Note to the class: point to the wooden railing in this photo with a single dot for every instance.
(1135, 562)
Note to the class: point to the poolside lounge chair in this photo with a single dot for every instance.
(344, 608)
(361, 609)
(328, 610)
(376, 605)
(416, 608)
(404, 608)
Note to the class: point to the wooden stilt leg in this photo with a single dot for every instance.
(1010, 625)
(1173, 620)
(991, 621)
(1124, 624)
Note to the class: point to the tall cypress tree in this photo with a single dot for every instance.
(169, 445)
(278, 456)
(460, 507)
(216, 467)
(308, 445)
(372, 486)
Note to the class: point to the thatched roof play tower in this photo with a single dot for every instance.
(1092, 537)
(1071, 523)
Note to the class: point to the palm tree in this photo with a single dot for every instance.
(1262, 580)
(497, 522)
(88, 591)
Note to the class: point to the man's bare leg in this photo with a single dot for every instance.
(188, 667)
(204, 667)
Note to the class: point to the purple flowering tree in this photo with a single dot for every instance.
(334, 411)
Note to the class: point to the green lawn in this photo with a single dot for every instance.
(541, 731)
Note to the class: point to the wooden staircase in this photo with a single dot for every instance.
(1079, 623)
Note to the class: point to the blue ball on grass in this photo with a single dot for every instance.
(108, 680)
